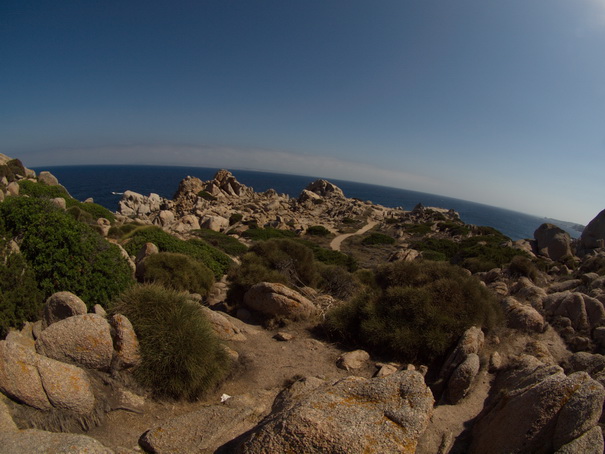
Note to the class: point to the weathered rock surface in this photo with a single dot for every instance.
(222, 325)
(126, 343)
(522, 317)
(43, 383)
(205, 430)
(352, 415)
(32, 441)
(593, 235)
(585, 312)
(82, 339)
(538, 409)
(462, 378)
(48, 178)
(553, 242)
(60, 306)
(353, 360)
(278, 300)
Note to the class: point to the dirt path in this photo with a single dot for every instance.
(337, 241)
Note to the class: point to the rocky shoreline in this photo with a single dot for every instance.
(535, 383)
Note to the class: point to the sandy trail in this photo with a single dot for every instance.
(337, 241)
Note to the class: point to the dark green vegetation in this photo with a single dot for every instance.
(259, 234)
(415, 311)
(214, 259)
(64, 254)
(206, 196)
(84, 212)
(20, 298)
(225, 243)
(290, 262)
(318, 230)
(523, 266)
(377, 238)
(477, 253)
(179, 272)
(181, 356)
(11, 169)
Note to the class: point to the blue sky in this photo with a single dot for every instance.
(499, 102)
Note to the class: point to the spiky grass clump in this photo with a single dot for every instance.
(179, 272)
(181, 355)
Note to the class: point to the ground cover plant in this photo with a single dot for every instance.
(377, 238)
(260, 234)
(181, 357)
(225, 243)
(64, 254)
(198, 249)
(178, 271)
(415, 311)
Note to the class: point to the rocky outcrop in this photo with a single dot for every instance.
(223, 325)
(325, 189)
(593, 236)
(82, 339)
(538, 409)
(353, 415)
(584, 312)
(553, 242)
(274, 300)
(43, 383)
(48, 178)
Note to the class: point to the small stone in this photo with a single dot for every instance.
(353, 360)
(283, 337)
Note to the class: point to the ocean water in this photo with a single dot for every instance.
(105, 183)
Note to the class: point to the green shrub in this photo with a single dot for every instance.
(523, 266)
(418, 311)
(225, 243)
(181, 357)
(178, 272)
(214, 259)
(330, 257)
(16, 167)
(318, 230)
(419, 229)
(277, 260)
(80, 215)
(20, 298)
(235, 218)
(44, 191)
(206, 196)
(120, 231)
(41, 190)
(453, 228)
(349, 221)
(337, 281)
(377, 238)
(485, 252)
(434, 255)
(64, 254)
(258, 234)
(447, 248)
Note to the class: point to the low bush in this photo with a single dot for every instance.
(276, 260)
(16, 167)
(418, 229)
(258, 234)
(523, 266)
(337, 281)
(20, 298)
(485, 252)
(178, 272)
(235, 218)
(447, 248)
(64, 254)
(376, 238)
(453, 228)
(318, 230)
(214, 259)
(225, 243)
(44, 191)
(206, 196)
(417, 311)
(181, 357)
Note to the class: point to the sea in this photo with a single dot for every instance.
(105, 184)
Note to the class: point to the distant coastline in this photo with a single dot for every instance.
(106, 183)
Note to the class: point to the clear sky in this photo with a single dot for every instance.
(499, 102)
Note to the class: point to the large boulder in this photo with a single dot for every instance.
(275, 299)
(522, 317)
(352, 415)
(82, 339)
(538, 409)
(216, 223)
(593, 236)
(48, 178)
(553, 242)
(462, 378)
(43, 383)
(223, 326)
(62, 305)
(585, 312)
